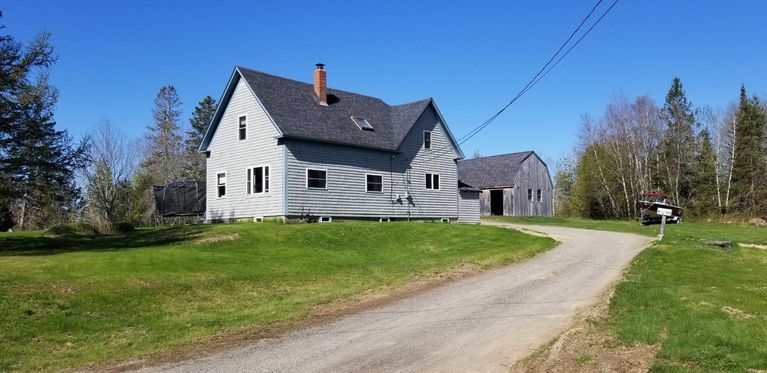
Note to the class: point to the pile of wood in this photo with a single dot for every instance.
(722, 244)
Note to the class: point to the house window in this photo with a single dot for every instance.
(539, 195)
(316, 179)
(374, 183)
(243, 127)
(260, 180)
(432, 181)
(529, 194)
(221, 184)
(427, 139)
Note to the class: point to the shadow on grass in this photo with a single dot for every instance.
(13, 246)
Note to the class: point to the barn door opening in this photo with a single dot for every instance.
(496, 202)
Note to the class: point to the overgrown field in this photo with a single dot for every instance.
(705, 306)
(72, 300)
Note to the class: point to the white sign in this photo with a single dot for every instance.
(664, 212)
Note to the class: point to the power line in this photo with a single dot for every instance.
(577, 41)
(529, 83)
(542, 72)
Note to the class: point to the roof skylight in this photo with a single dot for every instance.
(362, 123)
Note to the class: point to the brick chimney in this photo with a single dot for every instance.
(321, 84)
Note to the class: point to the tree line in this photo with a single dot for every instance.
(48, 178)
(711, 162)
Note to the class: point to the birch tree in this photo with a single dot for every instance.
(724, 143)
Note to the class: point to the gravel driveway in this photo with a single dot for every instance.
(483, 323)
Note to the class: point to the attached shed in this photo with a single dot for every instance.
(468, 204)
(514, 184)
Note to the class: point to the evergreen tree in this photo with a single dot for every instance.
(37, 162)
(42, 161)
(6, 217)
(164, 161)
(749, 165)
(17, 63)
(201, 118)
(163, 152)
(677, 149)
(705, 176)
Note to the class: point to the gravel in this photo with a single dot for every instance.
(482, 323)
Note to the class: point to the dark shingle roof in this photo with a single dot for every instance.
(403, 117)
(294, 108)
(466, 187)
(495, 171)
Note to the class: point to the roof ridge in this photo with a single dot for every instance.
(500, 155)
(292, 107)
(428, 99)
(311, 84)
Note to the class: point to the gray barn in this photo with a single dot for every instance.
(515, 184)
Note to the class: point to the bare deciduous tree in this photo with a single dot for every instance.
(724, 146)
(107, 179)
(629, 133)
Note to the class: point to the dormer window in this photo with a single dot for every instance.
(243, 127)
(362, 123)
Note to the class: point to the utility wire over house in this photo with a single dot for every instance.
(542, 72)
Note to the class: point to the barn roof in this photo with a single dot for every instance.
(463, 187)
(294, 108)
(495, 171)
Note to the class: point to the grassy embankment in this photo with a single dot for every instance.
(705, 306)
(67, 301)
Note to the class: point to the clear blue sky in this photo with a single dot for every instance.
(470, 56)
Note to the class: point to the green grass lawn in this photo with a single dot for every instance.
(72, 300)
(705, 306)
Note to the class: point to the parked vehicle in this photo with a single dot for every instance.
(649, 203)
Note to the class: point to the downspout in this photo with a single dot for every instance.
(284, 180)
(457, 194)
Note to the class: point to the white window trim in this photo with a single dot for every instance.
(306, 178)
(366, 183)
(267, 189)
(423, 142)
(246, 127)
(249, 174)
(251, 192)
(432, 181)
(226, 176)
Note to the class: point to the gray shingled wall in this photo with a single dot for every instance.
(234, 156)
(346, 166)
